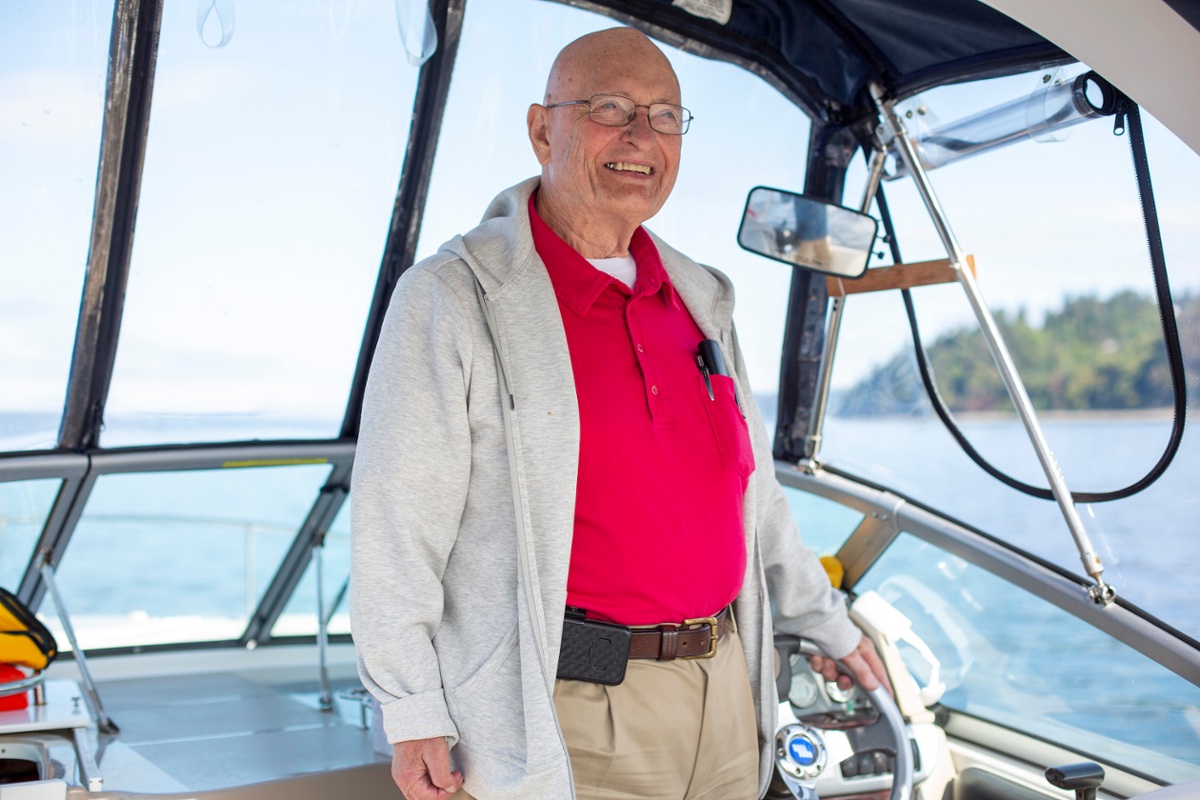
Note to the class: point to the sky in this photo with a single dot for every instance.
(272, 164)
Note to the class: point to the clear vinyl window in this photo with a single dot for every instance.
(24, 507)
(53, 62)
(179, 556)
(299, 617)
(1060, 248)
(1012, 658)
(270, 174)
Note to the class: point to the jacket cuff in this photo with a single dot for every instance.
(837, 636)
(418, 716)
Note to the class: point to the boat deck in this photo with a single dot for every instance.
(231, 732)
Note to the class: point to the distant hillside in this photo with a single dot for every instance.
(1092, 354)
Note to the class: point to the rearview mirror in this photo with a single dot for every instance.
(808, 233)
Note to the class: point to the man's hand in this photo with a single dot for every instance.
(421, 768)
(863, 661)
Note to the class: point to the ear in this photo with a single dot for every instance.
(539, 132)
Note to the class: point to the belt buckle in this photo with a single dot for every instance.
(711, 622)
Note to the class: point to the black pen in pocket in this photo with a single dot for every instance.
(704, 374)
(713, 363)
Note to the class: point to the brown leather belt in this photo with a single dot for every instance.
(692, 638)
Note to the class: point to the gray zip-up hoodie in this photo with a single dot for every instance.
(458, 594)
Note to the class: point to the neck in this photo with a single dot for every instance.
(589, 234)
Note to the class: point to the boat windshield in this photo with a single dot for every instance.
(1058, 237)
(53, 61)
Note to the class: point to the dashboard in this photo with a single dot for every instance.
(858, 744)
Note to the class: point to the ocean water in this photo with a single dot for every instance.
(242, 519)
(1149, 543)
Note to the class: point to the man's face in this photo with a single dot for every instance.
(601, 171)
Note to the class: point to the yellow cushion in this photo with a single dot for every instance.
(24, 640)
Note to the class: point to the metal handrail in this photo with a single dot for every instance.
(25, 684)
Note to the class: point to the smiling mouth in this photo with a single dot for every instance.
(625, 166)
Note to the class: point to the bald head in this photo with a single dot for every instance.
(600, 181)
(615, 53)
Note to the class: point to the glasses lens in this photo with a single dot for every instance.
(667, 118)
(612, 109)
(608, 109)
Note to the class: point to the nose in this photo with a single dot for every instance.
(638, 128)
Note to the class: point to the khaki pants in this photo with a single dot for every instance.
(673, 730)
(677, 730)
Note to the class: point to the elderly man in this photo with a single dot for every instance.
(554, 450)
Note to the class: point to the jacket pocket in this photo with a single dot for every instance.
(729, 427)
(491, 715)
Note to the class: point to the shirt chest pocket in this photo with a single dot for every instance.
(729, 426)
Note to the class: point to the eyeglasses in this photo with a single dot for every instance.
(617, 111)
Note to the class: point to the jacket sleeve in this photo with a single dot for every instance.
(409, 486)
(803, 602)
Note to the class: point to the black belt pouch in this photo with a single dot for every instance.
(593, 651)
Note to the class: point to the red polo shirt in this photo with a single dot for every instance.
(662, 468)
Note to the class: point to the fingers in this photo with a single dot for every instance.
(437, 760)
(864, 664)
(858, 666)
(871, 656)
(825, 667)
(421, 769)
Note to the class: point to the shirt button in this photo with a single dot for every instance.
(654, 389)
(640, 350)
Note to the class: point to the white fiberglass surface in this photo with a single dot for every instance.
(53, 61)
(181, 556)
(270, 174)
(1057, 233)
(745, 134)
(1011, 658)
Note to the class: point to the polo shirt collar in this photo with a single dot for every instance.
(578, 284)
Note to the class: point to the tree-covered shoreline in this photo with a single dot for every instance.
(1091, 355)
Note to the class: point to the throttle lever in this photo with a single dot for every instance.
(1085, 778)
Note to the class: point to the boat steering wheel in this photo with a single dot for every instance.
(801, 756)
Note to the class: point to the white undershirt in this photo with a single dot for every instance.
(623, 268)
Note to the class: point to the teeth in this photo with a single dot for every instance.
(625, 166)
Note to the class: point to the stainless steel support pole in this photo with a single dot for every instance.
(337, 600)
(103, 721)
(322, 622)
(1101, 592)
(812, 442)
